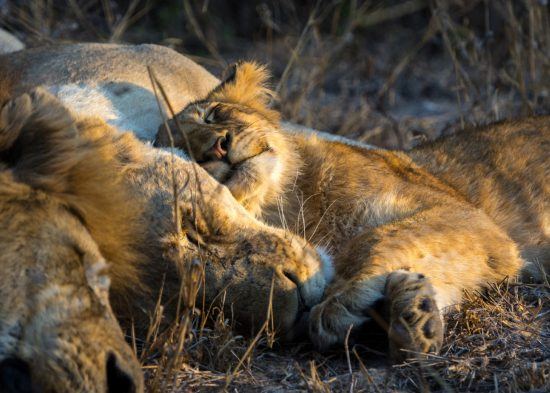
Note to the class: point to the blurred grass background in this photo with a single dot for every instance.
(386, 72)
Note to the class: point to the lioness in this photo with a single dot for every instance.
(131, 225)
(414, 228)
(58, 190)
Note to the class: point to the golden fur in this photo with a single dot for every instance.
(84, 205)
(55, 195)
(251, 91)
(412, 228)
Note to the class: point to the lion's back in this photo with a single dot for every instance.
(504, 169)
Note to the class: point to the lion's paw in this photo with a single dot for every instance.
(330, 321)
(415, 323)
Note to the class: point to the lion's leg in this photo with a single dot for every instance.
(434, 255)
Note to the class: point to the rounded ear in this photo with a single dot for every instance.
(230, 73)
(38, 139)
(246, 83)
(229, 77)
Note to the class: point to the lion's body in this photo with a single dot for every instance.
(414, 228)
(462, 211)
(108, 81)
(501, 169)
(377, 212)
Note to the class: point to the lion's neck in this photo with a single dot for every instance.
(294, 206)
(290, 172)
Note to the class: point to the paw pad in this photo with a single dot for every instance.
(414, 304)
(426, 305)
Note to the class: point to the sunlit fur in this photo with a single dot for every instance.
(254, 173)
(459, 211)
(89, 223)
(63, 208)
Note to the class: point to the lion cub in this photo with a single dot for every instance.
(414, 228)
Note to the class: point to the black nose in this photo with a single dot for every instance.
(302, 305)
(118, 380)
(15, 376)
(227, 141)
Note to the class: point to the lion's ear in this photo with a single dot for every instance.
(246, 83)
(38, 140)
(229, 74)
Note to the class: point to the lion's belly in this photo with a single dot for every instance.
(125, 106)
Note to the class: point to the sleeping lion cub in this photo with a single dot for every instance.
(413, 228)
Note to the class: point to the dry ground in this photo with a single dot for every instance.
(387, 72)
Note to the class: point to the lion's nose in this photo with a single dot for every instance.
(120, 378)
(15, 376)
(303, 302)
(220, 148)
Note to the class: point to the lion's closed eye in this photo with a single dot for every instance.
(210, 117)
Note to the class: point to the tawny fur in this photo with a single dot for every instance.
(84, 205)
(460, 211)
(56, 190)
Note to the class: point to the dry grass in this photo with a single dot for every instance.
(498, 340)
(390, 73)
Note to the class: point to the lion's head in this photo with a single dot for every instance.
(57, 329)
(243, 259)
(236, 137)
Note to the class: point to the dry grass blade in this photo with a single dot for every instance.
(254, 342)
(196, 211)
(298, 48)
(365, 372)
(81, 16)
(498, 338)
(431, 30)
(188, 7)
(392, 12)
(374, 71)
(131, 16)
(177, 219)
(348, 359)
(314, 381)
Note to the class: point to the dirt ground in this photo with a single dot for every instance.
(388, 73)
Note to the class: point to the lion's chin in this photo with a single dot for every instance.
(235, 173)
(219, 170)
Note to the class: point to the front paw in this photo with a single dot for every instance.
(416, 326)
(330, 322)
